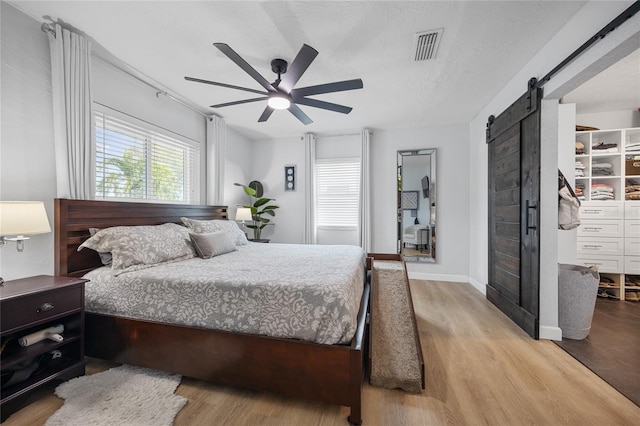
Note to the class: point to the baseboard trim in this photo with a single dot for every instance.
(437, 277)
(550, 332)
(482, 288)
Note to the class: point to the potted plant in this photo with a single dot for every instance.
(259, 206)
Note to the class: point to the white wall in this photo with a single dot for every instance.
(566, 114)
(611, 119)
(26, 151)
(239, 163)
(451, 142)
(591, 18)
(452, 210)
(269, 159)
(27, 169)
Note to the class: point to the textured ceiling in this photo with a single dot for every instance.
(484, 45)
(615, 89)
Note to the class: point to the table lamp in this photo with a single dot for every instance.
(243, 214)
(21, 219)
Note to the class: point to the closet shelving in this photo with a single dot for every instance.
(609, 236)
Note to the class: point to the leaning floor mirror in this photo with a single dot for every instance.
(417, 205)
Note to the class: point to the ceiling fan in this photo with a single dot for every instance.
(281, 93)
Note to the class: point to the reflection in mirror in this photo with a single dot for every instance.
(417, 205)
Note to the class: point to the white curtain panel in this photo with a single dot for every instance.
(364, 220)
(73, 128)
(216, 156)
(309, 191)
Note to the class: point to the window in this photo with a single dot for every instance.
(337, 192)
(134, 162)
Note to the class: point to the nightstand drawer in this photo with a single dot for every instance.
(42, 306)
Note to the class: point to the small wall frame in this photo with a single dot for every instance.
(290, 177)
(409, 200)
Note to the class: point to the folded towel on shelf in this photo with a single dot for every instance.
(632, 147)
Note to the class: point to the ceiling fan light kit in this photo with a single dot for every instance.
(278, 101)
(281, 93)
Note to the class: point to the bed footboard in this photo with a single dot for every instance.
(326, 373)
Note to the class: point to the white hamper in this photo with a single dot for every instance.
(577, 292)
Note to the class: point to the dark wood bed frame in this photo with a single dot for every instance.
(326, 373)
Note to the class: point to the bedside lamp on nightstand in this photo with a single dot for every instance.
(243, 214)
(21, 219)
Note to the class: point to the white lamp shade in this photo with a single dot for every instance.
(23, 218)
(243, 213)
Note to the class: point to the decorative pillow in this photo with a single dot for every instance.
(106, 258)
(213, 244)
(142, 245)
(207, 226)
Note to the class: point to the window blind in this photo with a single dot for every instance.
(138, 163)
(337, 192)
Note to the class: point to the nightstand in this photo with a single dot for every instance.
(29, 305)
(259, 240)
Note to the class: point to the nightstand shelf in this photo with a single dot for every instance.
(32, 304)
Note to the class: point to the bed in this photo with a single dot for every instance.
(330, 373)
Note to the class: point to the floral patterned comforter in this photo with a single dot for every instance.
(308, 292)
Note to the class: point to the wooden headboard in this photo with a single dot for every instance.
(73, 218)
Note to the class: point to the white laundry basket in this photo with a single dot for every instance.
(577, 293)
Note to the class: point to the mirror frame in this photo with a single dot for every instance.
(406, 200)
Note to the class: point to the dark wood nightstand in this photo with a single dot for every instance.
(29, 305)
(259, 240)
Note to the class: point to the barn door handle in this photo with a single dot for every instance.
(530, 207)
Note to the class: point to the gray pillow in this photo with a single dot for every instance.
(106, 258)
(134, 247)
(213, 244)
(207, 226)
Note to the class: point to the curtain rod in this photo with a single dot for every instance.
(46, 27)
(344, 134)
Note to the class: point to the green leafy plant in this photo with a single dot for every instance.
(259, 206)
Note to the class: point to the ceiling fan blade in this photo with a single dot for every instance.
(231, 54)
(230, 86)
(338, 86)
(245, 101)
(324, 105)
(303, 59)
(299, 114)
(266, 114)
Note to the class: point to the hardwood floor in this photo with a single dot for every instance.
(612, 349)
(481, 369)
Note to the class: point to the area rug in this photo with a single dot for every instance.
(396, 361)
(124, 396)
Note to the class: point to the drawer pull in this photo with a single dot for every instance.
(591, 211)
(45, 307)
(592, 228)
(587, 246)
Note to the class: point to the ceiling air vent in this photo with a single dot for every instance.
(426, 44)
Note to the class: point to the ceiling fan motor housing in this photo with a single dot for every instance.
(279, 66)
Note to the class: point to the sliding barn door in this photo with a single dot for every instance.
(513, 140)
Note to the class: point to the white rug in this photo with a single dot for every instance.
(124, 396)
